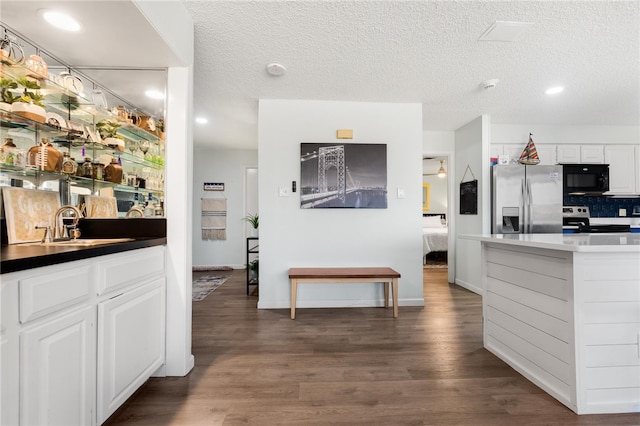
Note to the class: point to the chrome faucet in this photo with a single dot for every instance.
(58, 225)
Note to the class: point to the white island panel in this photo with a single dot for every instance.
(564, 311)
(608, 331)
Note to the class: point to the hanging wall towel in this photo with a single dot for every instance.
(214, 218)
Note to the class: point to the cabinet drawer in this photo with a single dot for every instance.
(134, 267)
(47, 293)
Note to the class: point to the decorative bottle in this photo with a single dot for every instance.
(113, 172)
(69, 165)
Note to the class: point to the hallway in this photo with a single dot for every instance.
(346, 366)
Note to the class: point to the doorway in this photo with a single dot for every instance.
(435, 211)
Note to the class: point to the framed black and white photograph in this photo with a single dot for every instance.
(343, 175)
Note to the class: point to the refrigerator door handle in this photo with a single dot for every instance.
(523, 195)
(529, 202)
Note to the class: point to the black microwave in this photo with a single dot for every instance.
(585, 179)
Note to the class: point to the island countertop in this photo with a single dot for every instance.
(595, 243)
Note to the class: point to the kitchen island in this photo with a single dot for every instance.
(564, 311)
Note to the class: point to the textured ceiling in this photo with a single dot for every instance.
(382, 51)
(426, 52)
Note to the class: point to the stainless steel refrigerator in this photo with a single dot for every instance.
(526, 199)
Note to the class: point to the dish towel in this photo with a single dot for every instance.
(214, 218)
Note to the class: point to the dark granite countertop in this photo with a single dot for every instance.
(22, 257)
(145, 232)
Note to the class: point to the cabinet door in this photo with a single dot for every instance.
(637, 168)
(57, 370)
(622, 168)
(131, 334)
(568, 154)
(547, 154)
(513, 150)
(592, 154)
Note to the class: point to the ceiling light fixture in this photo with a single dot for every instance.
(276, 69)
(201, 120)
(60, 20)
(154, 94)
(554, 90)
(441, 171)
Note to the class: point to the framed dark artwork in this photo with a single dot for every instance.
(469, 197)
(343, 175)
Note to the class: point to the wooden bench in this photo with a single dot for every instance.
(345, 275)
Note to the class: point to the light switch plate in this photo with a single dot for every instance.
(284, 191)
(401, 193)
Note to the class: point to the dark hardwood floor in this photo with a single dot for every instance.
(346, 367)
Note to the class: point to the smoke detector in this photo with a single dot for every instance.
(489, 84)
(276, 69)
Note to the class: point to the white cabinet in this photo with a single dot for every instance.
(78, 338)
(587, 154)
(637, 149)
(546, 152)
(131, 338)
(592, 154)
(622, 168)
(568, 154)
(58, 362)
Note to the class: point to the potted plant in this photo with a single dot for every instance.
(108, 130)
(6, 96)
(29, 103)
(253, 220)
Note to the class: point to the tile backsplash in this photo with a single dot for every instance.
(601, 206)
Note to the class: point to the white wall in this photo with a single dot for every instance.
(519, 133)
(292, 237)
(227, 166)
(472, 149)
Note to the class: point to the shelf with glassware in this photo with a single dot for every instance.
(142, 166)
(47, 122)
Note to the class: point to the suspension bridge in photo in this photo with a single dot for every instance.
(333, 180)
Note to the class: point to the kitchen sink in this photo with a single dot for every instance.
(84, 242)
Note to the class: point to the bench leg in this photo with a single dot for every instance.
(294, 292)
(395, 297)
(386, 294)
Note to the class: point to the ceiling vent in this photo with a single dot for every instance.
(505, 31)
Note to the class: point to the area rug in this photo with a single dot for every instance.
(203, 286)
(211, 268)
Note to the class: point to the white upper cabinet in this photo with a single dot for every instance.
(547, 153)
(568, 154)
(637, 169)
(588, 154)
(592, 154)
(623, 167)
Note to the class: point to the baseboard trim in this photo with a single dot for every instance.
(469, 286)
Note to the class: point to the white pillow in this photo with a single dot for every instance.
(431, 222)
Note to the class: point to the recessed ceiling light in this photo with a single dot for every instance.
(60, 20)
(154, 94)
(554, 90)
(201, 120)
(276, 69)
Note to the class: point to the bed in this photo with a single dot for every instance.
(435, 236)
